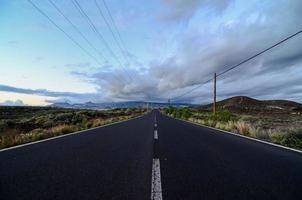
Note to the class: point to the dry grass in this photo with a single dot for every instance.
(63, 129)
(243, 128)
(290, 135)
(16, 137)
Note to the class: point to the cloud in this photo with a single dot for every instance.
(13, 42)
(223, 40)
(218, 35)
(78, 65)
(183, 10)
(42, 92)
(62, 96)
(39, 58)
(12, 103)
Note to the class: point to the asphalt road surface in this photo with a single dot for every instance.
(151, 157)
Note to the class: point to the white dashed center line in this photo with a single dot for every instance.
(155, 135)
(156, 191)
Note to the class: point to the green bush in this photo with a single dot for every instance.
(88, 124)
(78, 118)
(223, 116)
(64, 117)
(22, 125)
(291, 139)
(183, 113)
(49, 124)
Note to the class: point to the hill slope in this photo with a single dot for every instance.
(244, 103)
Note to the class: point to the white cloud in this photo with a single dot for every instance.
(203, 50)
(12, 103)
(217, 35)
(183, 10)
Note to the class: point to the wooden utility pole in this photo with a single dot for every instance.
(214, 103)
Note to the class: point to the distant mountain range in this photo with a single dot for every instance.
(236, 104)
(244, 103)
(125, 104)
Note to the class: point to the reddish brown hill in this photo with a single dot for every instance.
(244, 103)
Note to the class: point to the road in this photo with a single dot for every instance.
(153, 156)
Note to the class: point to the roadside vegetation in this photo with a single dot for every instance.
(20, 125)
(284, 129)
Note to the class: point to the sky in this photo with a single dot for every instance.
(150, 50)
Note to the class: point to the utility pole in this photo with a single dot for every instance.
(169, 102)
(214, 103)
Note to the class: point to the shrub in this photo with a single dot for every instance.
(32, 124)
(262, 135)
(185, 113)
(97, 122)
(230, 126)
(210, 122)
(6, 141)
(293, 138)
(78, 118)
(243, 128)
(49, 124)
(220, 125)
(253, 132)
(169, 111)
(3, 125)
(89, 124)
(223, 116)
(63, 129)
(40, 120)
(64, 117)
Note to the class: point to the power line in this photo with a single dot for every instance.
(115, 27)
(242, 62)
(125, 50)
(62, 30)
(95, 30)
(78, 30)
(265, 50)
(191, 90)
(111, 31)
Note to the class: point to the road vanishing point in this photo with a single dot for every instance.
(150, 157)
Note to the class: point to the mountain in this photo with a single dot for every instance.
(247, 104)
(109, 105)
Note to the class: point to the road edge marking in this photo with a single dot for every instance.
(239, 135)
(156, 189)
(68, 134)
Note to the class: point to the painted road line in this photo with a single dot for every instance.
(155, 135)
(156, 191)
(155, 125)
